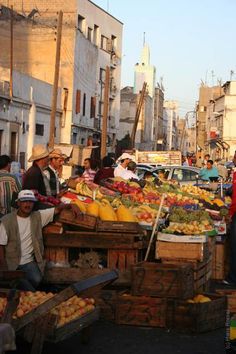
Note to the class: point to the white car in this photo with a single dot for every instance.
(182, 174)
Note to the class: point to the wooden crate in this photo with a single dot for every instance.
(123, 259)
(61, 275)
(201, 272)
(140, 310)
(181, 250)
(61, 333)
(57, 255)
(162, 280)
(219, 260)
(88, 287)
(53, 228)
(107, 300)
(118, 226)
(198, 317)
(83, 220)
(231, 298)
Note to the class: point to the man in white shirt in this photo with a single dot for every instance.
(21, 236)
(123, 161)
(129, 173)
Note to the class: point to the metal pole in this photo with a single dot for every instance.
(56, 79)
(105, 114)
(155, 226)
(11, 54)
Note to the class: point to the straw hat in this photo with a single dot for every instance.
(38, 152)
(125, 156)
(56, 153)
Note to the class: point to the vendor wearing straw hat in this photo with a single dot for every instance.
(52, 171)
(34, 177)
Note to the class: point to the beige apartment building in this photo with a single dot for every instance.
(221, 123)
(91, 41)
(206, 94)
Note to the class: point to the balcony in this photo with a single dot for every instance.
(4, 88)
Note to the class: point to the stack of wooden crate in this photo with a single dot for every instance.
(160, 295)
(196, 250)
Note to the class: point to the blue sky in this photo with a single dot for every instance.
(188, 40)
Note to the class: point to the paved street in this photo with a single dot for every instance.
(109, 338)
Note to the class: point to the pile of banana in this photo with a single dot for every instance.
(83, 189)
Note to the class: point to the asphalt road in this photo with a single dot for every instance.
(108, 338)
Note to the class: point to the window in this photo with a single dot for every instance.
(74, 138)
(93, 107)
(39, 129)
(89, 34)
(95, 34)
(104, 42)
(77, 102)
(84, 104)
(180, 174)
(81, 21)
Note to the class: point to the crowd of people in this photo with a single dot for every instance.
(210, 170)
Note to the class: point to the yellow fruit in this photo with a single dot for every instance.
(81, 205)
(124, 214)
(93, 209)
(106, 212)
(198, 298)
(190, 301)
(205, 299)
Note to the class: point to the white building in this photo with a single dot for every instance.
(25, 118)
(170, 124)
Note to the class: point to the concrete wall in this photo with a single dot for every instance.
(30, 105)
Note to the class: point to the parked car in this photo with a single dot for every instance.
(182, 174)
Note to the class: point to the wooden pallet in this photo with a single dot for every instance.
(123, 259)
(99, 240)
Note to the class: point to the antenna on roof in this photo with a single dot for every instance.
(144, 39)
(231, 75)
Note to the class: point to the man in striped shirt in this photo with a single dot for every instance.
(8, 185)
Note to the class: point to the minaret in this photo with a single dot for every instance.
(144, 71)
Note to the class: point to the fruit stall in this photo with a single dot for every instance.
(141, 254)
(168, 243)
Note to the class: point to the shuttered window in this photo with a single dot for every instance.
(77, 103)
(93, 107)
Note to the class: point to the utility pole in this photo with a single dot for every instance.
(11, 53)
(138, 111)
(105, 114)
(171, 128)
(56, 79)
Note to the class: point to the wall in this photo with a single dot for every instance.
(34, 42)
(30, 105)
